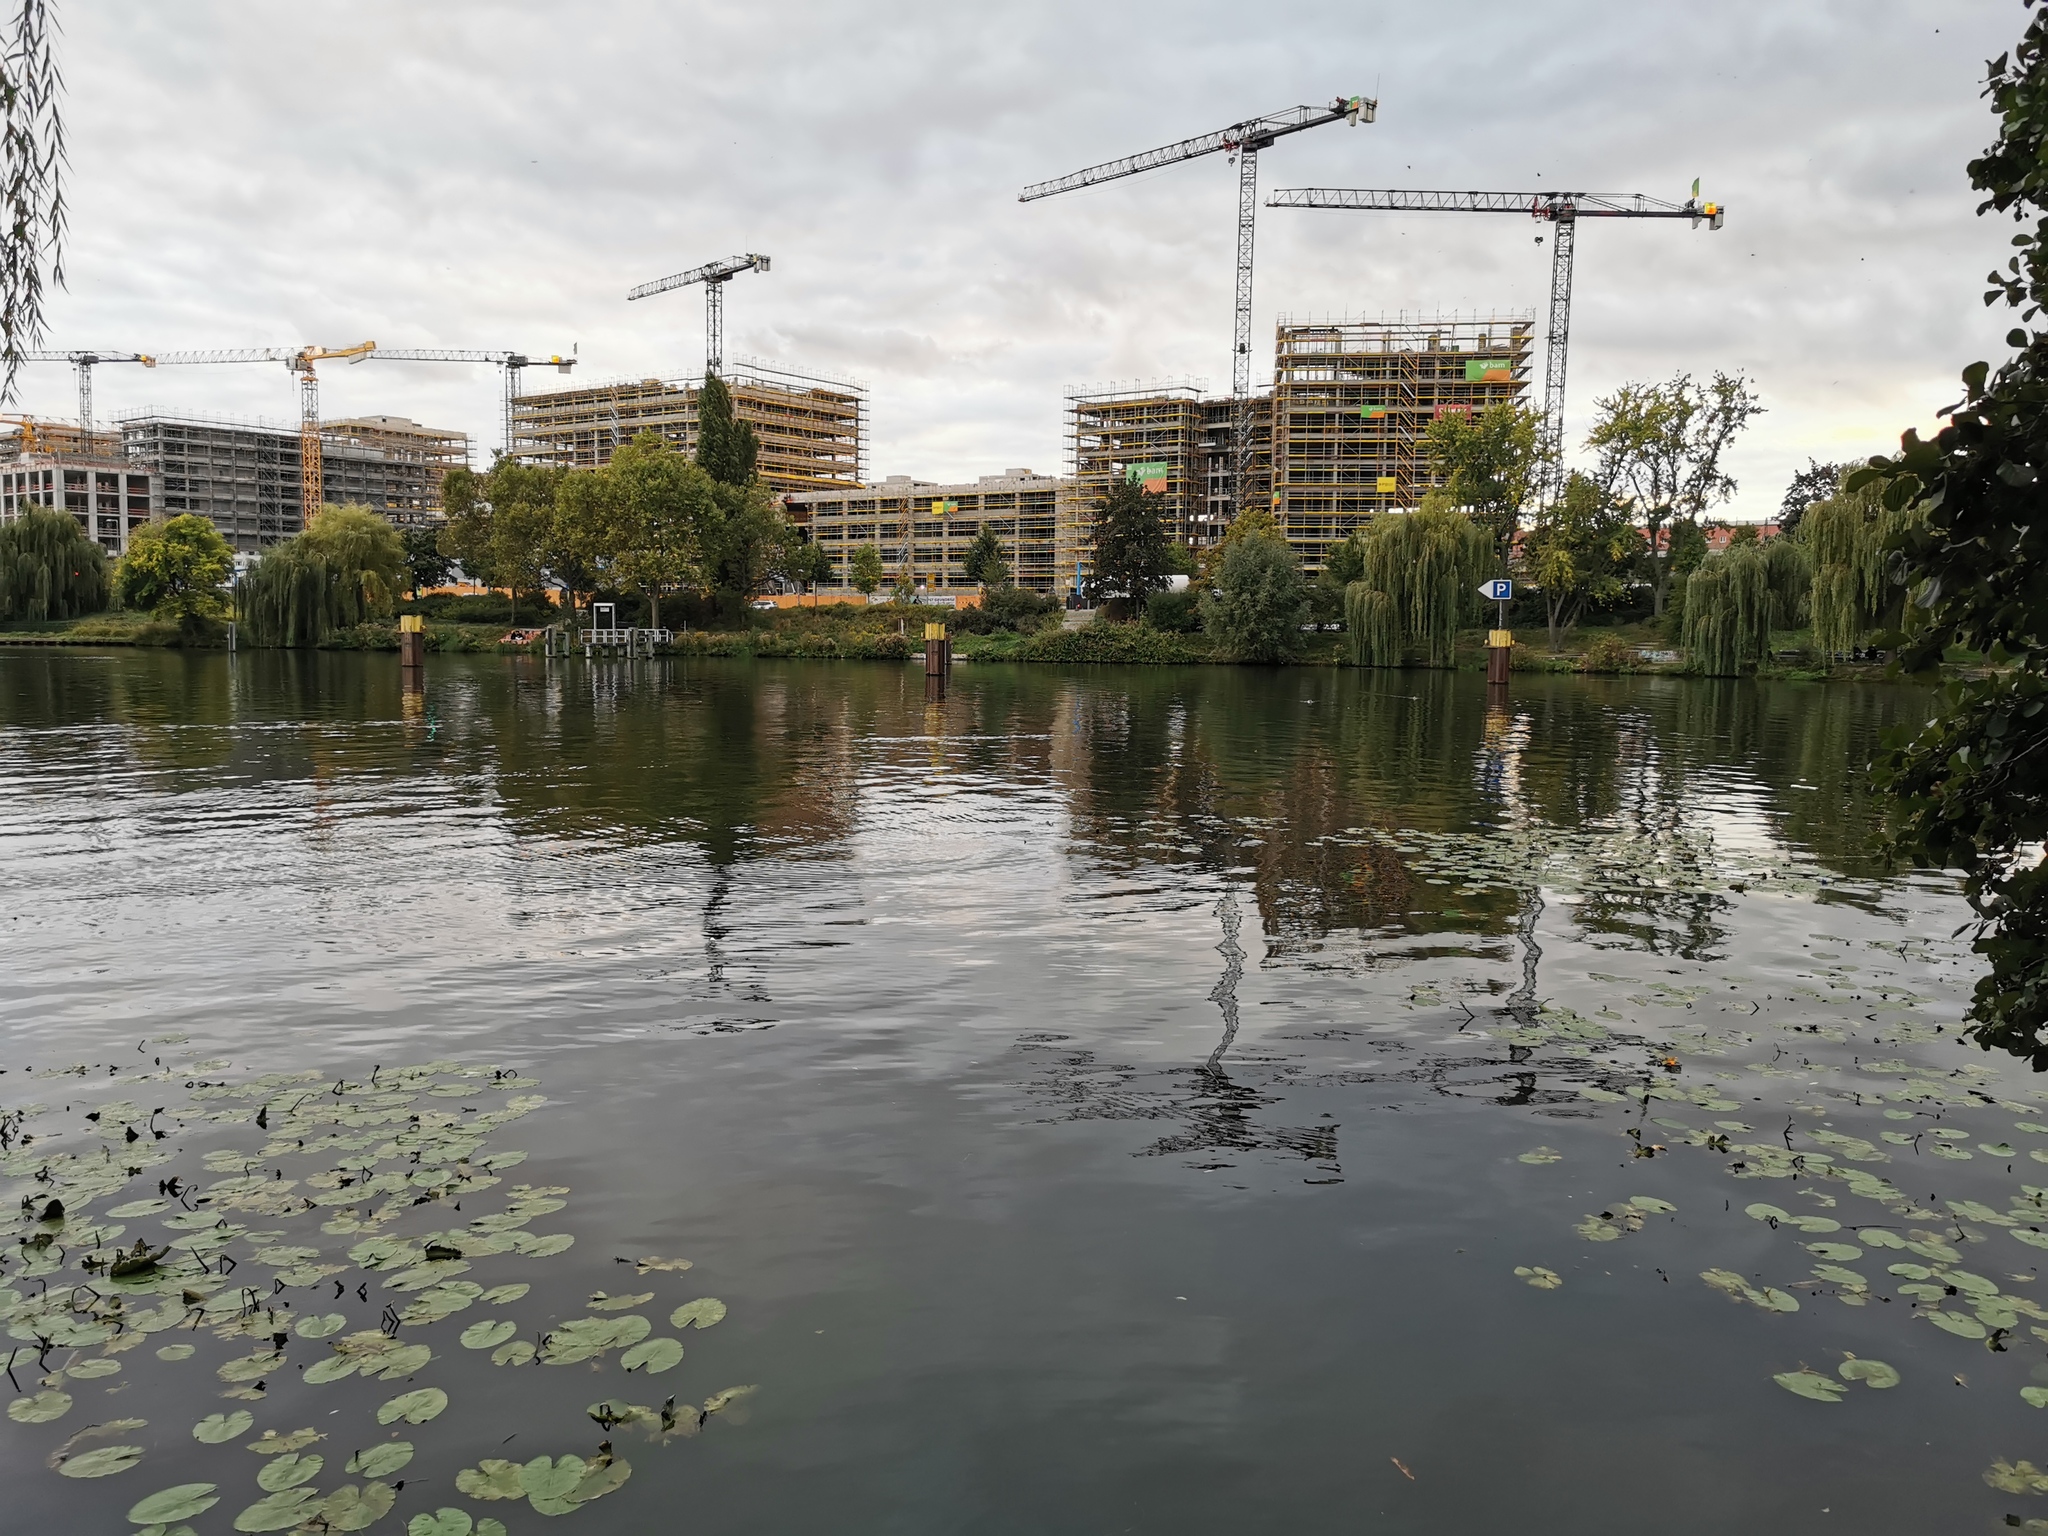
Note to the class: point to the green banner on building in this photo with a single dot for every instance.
(1480, 370)
(1150, 475)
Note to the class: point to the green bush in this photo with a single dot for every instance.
(1257, 607)
(1610, 653)
(1118, 644)
(49, 569)
(1174, 613)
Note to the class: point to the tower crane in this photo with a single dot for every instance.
(714, 276)
(1562, 210)
(1242, 142)
(513, 363)
(83, 361)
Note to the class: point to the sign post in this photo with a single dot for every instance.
(1500, 641)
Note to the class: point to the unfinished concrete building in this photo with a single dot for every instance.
(922, 530)
(244, 477)
(1353, 399)
(400, 441)
(109, 497)
(813, 432)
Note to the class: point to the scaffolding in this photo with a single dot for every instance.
(1353, 400)
(813, 431)
(923, 530)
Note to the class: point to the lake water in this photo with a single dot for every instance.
(1199, 1100)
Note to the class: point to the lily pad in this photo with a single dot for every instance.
(333, 1368)
(444, 1522)
(1954, 1322)
(701, 1313)
(1872, 1373)
(87, 1370)
(1839, 1252)
(518, 1352)
(102, 1462)
(350, 1508)
(492, 1479)
(654, 1356)
(175, 1352)
(218, 1428)
(320, 1327)
(271, 1443)
(2036, 1397)
(599, 1302)
(1540, 1155)
(182, 1502)
(380, 1460)
(499, 1295)
(289, 1471)
(41, 1408)
(1808, 1383)
(489, 1333)
(414, 1407)
(1652, 1204)
(278, 1512)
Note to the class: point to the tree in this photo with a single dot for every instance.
(1736, 598)
(752, 543)
(983, 563)
(347, 568)
(1854, 588)
(1130, 546)
(1660, 446)
(1491, 464)
(808, 564)
(866, 569)
(1816, 482)
(663, 518)
(49, 569)
(726, 446)
(1968, 789)
(1418, 580)
(1256, 608)
(32, 163)
(425, 565)
(176, 569)
(1579, 552)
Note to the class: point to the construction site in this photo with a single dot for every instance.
(922, 530)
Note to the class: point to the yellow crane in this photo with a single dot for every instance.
(311, 489)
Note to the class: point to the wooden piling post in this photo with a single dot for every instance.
(1500, 650)
(412, 643)
(938, 661)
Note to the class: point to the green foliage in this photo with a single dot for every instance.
(1004, 609)
(983, 564)
(1345, 562)
(1174, 613)
(646, 522)
(504, 530)
(1688, 548)
(808, 564)
(1854, 590)
(49, 569)
(176, 570)
(1816, 482)
(425, 565)
(1491, 464)
(726, 446)
(1660, 448)
(1255, 610)
(1610, 653)
(1426, 566)
(1109, 644)
(1967, 790)
(344, 570)
(753, 541)
(865, 568)
(1130, 546)
(1580, 551)
(1736, 598)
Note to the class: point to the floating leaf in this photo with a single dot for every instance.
(2016, 1477)
(141, 1207)
(1840, 1252)
(648, 1265)
(41, 1408)
(519, 1352)
(489, 1333)
(1955, 1323)
(599, 1302)
(1540, 1155)
(1651, 1204)
(1872, 1373)
(251, 1367)
(492, 1479)
(349, 1508)
(179, 1503)
(320, 1327)
(103, 1462)
(175, 1352)
(661, 1354)
(701, 1313)
(414, 1407)
(1808, 1383)
(271, 1443)
(499, 1295)
(442, 1522)
(542, 1247)
(289, 1471)
(2036, 1397)
(217, 1428)
(2032, 1237)
(380, 1460)
(719, 1401)
(278, 1512)
(333, 1368)
(86, 1370)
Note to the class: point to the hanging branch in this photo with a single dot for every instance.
(32, 161)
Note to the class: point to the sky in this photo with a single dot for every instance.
(496, 176)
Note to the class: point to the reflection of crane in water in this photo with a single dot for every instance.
(1505, 741)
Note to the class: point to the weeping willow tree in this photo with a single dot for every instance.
(1853, 593)
(1735, 599)
(1420, 571)
(49, 569)
(345, 569)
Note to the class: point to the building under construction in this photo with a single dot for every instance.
(922, 530)
(813, 431)
(1337, 441)
(244, 477)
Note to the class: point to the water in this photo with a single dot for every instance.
(1099, 1101)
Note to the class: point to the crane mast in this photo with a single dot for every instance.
(1562, 211)
(714, 276)
(512, 363)
(1242, 141)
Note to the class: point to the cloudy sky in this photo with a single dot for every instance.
(498, 175)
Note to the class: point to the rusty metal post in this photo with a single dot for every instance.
(1500, 650)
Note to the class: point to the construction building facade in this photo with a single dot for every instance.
(1338, 441)
(244, 478)
(813, 432)
(922, 530)
(109, 497)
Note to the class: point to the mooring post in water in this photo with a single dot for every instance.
(1500, 641)
(412, 645)
(938, 661)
